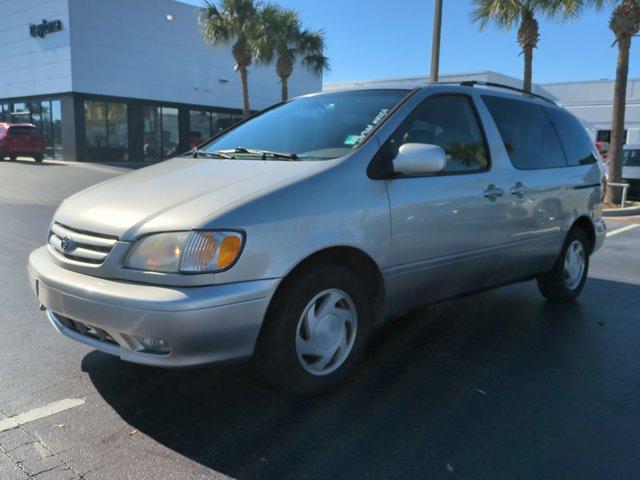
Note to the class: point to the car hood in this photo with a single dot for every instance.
(176, 194)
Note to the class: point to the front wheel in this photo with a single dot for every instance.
(316, 330)
(567, 277)
(38, 158)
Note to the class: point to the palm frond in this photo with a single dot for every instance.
(317, 64)
(569, 9)
(503, 13)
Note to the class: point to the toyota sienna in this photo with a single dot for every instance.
(291, 235)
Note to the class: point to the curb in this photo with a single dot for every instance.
(621, 212)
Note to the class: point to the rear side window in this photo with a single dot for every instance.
(574, 138)
(448, 121)
(632, 158)
(22, 131)
(528, 135)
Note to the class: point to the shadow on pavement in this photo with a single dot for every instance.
(497, 385)
(33, 163)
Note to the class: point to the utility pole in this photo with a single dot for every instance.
(435, 44)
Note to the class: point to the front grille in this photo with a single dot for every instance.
(86, 330)
(80, 246)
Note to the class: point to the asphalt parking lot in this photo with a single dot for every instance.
(499, 385)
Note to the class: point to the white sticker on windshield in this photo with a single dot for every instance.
(372, 125)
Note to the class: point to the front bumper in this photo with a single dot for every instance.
(200, 324)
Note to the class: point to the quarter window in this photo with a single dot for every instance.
(574, 138)
(528, 135)
(450, 123)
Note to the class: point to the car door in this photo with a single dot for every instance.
(447, 229)
(537, 185)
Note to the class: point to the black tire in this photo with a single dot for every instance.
(38, 158)
(554, 285)
(277, 353)
(13, 158)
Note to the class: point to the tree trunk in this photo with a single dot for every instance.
(284, 82)
(528, 37)
(617, 123)
(528, 69)
(244, 76)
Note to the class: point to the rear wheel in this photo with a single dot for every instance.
(316, 330)
(567, 277)
(38, 157)
(13, 158)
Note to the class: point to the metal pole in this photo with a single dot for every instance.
(435, 44)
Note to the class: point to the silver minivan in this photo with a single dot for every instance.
(289, 237)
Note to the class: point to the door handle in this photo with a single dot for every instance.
(518, 189)
(492, 192)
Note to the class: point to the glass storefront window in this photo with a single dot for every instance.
(95, 123)
(20, 113)
(47, 132)
(170, 132)
(118, 131)
(220, 122)
(56, 124)
(200, 121)
(106, 131)
(4, 112)
(161, 133)
(152, 133)
(36, 115)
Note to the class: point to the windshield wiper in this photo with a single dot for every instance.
(264, 153)
(196, 152)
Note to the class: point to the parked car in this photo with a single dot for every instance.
(296, 232)
(631, 168)
(21, 140)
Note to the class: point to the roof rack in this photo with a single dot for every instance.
(473, 83)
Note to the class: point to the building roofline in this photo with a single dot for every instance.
(416, 77)
(575, 82)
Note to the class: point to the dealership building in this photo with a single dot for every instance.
(122, 80)
(590, 101)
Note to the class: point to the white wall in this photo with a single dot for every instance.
(592, 101)
(33, 66)
(128, 48)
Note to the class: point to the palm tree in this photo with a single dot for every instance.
(236, 22)
(287, 42)
(625, 24)
(507, 13)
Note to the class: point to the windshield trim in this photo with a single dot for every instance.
(370, 134)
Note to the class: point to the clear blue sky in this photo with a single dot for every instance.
(373, 39)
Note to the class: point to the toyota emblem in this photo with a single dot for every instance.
(67, 244)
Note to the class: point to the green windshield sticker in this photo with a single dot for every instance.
(351, 140)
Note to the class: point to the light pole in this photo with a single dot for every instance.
(435, 44)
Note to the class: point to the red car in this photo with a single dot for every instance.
(21, 140)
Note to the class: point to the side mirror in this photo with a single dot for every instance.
(419, 159)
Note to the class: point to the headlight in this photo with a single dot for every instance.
(185, 252)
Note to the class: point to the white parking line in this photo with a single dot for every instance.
(622, 229)
(38, 413)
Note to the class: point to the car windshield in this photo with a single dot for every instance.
(632, 158)
(316, 127)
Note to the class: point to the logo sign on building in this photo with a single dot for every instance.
(45, 28)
